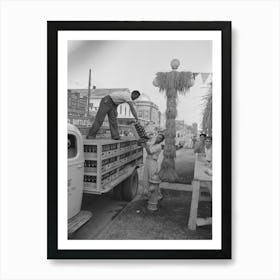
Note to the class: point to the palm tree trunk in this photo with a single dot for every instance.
(167, 172)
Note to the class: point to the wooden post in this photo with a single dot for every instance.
(154, 188)
(194, 205)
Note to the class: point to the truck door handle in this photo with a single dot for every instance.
(80, 166)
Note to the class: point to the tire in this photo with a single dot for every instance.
(117, 192)
(129, 187)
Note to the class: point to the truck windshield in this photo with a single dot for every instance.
(72, 146)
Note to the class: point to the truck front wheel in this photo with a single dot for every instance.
(130, 186)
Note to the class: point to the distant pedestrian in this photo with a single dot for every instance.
(108, 106)
(208, 149)
(200, 146)
(193, 141)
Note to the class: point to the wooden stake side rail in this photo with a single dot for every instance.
(110, 185)
(97, 144)
(106, 160)
(118, 164)
(201, 179)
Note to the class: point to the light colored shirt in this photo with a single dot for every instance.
(120, 97)
(208, 153)
(160, 159)
(155, 150)
(199, 147)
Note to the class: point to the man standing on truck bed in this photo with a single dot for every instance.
(108, 106)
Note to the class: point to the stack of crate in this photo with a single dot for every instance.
(106, 160)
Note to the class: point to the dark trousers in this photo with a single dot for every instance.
(106, 107)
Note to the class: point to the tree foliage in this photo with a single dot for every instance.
(207, 112)
(171, 83)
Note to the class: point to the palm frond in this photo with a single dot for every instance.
(207, 112)
(179, 81)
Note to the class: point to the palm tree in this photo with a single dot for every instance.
(207, 112)
(171, 83)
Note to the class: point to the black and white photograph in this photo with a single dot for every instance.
(144, 144)
(141, 137)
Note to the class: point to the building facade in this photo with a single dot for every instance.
(77, 108)
(76, 104)
(147, 110)
(195, 128)
(124, 112)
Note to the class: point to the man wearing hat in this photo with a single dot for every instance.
(200, 146)
(108, 106)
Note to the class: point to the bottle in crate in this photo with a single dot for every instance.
(105, 150)
(85, 180)
(93, 164)
(121, 158)
(115, 159)
(113, 148)
(105, 163)
(92, 181)
(90, 150)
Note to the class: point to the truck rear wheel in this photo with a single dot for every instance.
(117, 192)
(129, 187)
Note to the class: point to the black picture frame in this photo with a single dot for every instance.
(52, 102)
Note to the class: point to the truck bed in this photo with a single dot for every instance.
(108, 162)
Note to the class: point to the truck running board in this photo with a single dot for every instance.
(77, 221)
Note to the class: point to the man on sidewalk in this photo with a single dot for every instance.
(108, 106)
(200, 146)
(208, 149)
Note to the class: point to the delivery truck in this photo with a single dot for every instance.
(99, 166)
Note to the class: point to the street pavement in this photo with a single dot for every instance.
(170, 221)
(104, 209)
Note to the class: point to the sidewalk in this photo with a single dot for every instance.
(168, 222)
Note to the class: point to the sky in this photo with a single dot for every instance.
(134, 64)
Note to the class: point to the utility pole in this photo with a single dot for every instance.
(89, 86)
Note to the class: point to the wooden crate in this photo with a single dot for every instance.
(106, 160)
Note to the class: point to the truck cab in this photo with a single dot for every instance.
(75, 170)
